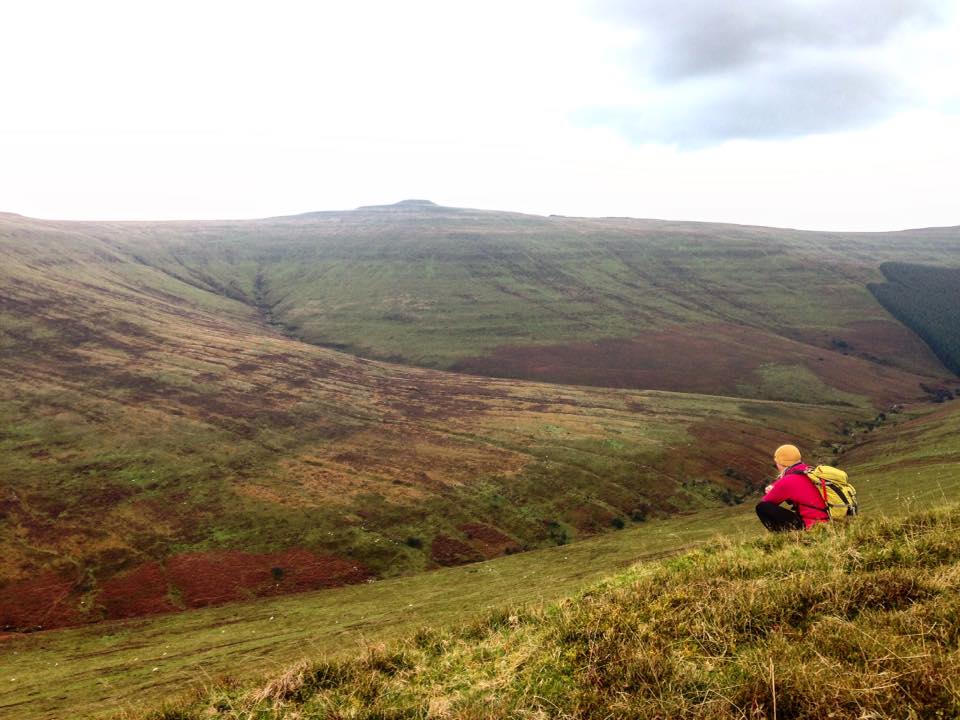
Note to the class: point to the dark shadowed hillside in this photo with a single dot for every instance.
(927, 300)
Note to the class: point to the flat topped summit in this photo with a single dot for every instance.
(412, 204)
(416, 203)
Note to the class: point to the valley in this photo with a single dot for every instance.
(227, 444)
(222, 460)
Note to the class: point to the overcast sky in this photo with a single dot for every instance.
(819, 114)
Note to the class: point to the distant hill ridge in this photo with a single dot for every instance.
(576, 300)
(507, 294)
(412, 203)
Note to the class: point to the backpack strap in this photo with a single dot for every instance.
(824, 510)
(840, 493)
(823, 493)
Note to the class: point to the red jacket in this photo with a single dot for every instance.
(797, 489)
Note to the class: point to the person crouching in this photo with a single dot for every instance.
(793, 487)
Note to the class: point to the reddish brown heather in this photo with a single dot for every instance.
(144, 590)
(199, 579)
(488, 541)
(215, 577)
(41, 602)
(712, 358)
(446, 550)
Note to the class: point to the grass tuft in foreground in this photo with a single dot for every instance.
(857, 621)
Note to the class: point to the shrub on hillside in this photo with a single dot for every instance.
(639, 514)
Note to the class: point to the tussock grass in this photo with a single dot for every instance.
(861, 621)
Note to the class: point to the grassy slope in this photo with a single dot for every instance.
(845, 622)
(467, 289)
(514, 295)
(95, 670)
(111, 666)
(179, 424)
(912, 466)
(864, 623)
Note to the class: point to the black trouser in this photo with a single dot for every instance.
(778, 519)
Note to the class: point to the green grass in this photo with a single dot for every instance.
(107, 667)
(110, 667)
(796, 383)
(850, 622)
(437, 286)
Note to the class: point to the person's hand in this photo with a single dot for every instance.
(767, 489)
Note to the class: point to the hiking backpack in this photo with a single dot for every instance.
(839, 496)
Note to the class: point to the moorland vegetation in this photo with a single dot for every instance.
(903, 464)
(156, 378)
(844, 622)
(202, 412)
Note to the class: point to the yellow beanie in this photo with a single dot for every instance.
(787, 455)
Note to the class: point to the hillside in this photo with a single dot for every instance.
(171, 441)
(162, 447)
(852, 623)
(905, 464)
(690, 307)
(925, 299)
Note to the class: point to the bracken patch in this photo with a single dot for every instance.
(141, 591)
(45, 601)
(215, 577)
(489, 541)
(445, 550)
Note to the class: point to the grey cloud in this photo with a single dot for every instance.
(758, 104)
(711, 70)
(683, 38)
